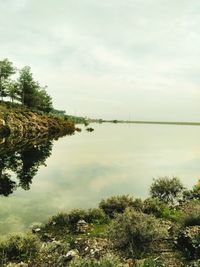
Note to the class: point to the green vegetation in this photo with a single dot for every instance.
(28, 92)
(122, 232)
(116, 204)
(24, 89)
(106, 261)
(167, 189)
(134, 231)
(19, 248)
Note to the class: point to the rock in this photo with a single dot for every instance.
(82, 227)
(90, 129)
(71, 254)
(36, 230)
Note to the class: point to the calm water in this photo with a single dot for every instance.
(84, 168)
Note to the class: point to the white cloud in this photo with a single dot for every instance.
(133, 52)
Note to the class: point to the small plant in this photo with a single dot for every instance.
(106, 261)
(19, 248)
(71, 219)
(150, 262)
(189, 240)
(133, 231)
(193, 194)
(116, 204)
(154, 206)
(191, 216)
(167, 189)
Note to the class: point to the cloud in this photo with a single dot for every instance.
(87, 50)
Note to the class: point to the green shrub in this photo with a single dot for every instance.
(193, 194)
(116, 204)
(133, 231)
(71, 219)
(138, 204)
(96, 215)
(191, 216)
(160, 210)
(150, 262)
(19, 248)
(189, 241)
(171, 214)
(106, 261)
(154, 206)
(167, 189)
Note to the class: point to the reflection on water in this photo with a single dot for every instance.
(24, 163)
(78, 171)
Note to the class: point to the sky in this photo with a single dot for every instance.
(111, 59)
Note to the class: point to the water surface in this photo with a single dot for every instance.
(82, 169)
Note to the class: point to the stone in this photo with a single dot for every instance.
(36, 230)
(82, 227)
(71, 254)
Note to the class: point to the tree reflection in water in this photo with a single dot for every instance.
(24, 163)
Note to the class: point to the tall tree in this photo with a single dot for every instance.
(44, 101)
(6, 70)
(12, 89)
(28, 86)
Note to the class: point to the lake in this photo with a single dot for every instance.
(82, 169)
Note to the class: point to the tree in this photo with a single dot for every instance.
(12, 89)
(6, 70)
(28, 86)
(43, 101)
(166, 189)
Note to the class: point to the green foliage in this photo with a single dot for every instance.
(138, 204)
(167, 189)
(70, 219)
(150, 262)
(189, 240)
(191, 216)
(193, 194)
(106, 261)
(171, 214)
(19, 248)
(25, 90)
(6, 70)
(154, 206)
(116, 204)
(160, 209)
(133, 231)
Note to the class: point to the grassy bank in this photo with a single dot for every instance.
(162, 230)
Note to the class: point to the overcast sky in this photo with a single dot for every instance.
(137, 59)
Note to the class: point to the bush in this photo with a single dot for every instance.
(167, 189)
(133, 231)
(193, 194)
(189, 240)
(71, 219)
(19, 248)
(154, 206)
(138, 204)
(116, 204)
(191, 216)
(150, 262)
(106, 261)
